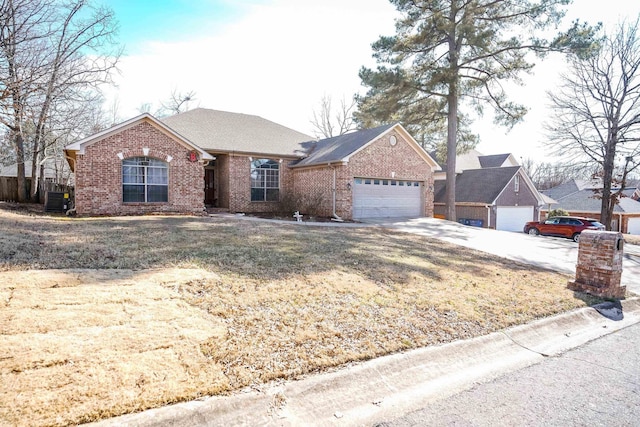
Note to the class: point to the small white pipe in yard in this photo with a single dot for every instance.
(335, 216)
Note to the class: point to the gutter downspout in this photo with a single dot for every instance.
(334, 215)
(488, 216)
(620, 222)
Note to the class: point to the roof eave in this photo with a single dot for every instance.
(340, 162)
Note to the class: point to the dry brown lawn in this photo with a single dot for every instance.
(104, 316)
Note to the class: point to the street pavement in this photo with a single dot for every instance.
(597, 384)
(542, 251)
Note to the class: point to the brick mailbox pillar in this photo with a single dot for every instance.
(599, 267)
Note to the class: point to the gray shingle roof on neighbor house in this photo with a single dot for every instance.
(570, 187)
(478, 185)
(474, 160)
(587, 201)
(493, 161)
(338, 148)
(235, 132)
(49, 169)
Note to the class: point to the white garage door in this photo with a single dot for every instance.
(386, 198)
(633, 226)
(512, 218)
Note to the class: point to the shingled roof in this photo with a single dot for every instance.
(223, 131)
(478, 185)
(338, 148)
(493, 161)
(587, 200)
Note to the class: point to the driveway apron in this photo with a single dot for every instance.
(552, 253)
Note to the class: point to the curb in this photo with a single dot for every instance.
(391, 386)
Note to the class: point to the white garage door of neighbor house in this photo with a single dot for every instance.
(633, 226)
(386, 198)
(512, 218)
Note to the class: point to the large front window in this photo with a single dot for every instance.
(265, 180)
(144, 180)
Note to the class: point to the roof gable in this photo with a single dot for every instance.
(228, 132)
(468, 160)
(495, 160)
(340, 148)
(80, 146)
(478, 185)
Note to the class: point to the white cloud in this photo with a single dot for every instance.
(276, 62)
(281, 56)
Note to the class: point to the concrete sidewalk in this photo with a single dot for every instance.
(388, 387)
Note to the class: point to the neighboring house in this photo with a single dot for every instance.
(54, 170)
(491, 191)
(580, 198)
(245, 163)
(503, 198)
(475, 160)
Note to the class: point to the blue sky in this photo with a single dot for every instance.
(142, 21)
(278, 58)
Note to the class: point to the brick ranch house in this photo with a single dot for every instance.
(245, 163)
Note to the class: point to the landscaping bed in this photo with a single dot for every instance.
(104, 316)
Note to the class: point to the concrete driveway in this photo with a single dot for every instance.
(547, 252)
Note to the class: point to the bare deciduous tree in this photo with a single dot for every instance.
(177, 103)
(328, 122)
(547, 175)
(53, 55)
(596, 112)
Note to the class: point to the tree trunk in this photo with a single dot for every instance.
(35, 175)
(606, 208)
(452, 130)
(452, 119)
(18, 142)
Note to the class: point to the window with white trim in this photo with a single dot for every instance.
(145, 180)
(516, 183)
(265, 180)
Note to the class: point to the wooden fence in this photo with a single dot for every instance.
(9, 188)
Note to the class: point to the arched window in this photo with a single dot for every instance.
(144, 180)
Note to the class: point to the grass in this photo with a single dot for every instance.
(104, 316)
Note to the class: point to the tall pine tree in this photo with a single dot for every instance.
(445, 51)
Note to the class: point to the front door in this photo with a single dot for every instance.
(209, 187)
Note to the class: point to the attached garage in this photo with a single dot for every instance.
(513, 218)
(633, 226)
(386, 198)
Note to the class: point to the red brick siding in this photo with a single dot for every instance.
(599, 267)
(240, 186)
(314, 189)
(99, 174)
(377, 160)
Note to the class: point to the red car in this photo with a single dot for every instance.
(562, 226)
